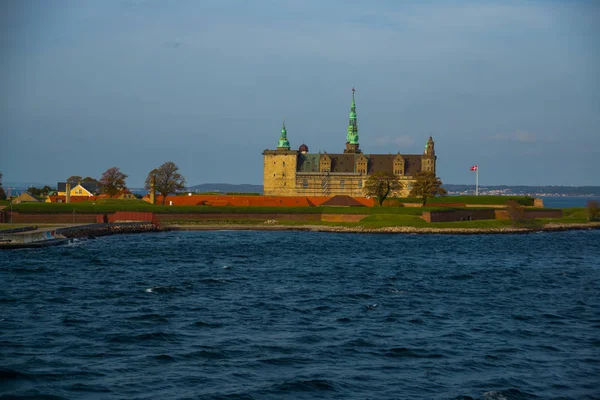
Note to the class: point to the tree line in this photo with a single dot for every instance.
(425, 185)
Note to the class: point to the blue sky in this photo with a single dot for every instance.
(513, 86)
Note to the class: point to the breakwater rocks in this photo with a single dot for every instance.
(393, 229)
(95, 230)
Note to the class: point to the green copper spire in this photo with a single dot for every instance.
(283, 142)
(352, 136)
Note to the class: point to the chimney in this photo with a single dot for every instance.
(68, 192)
(152, 190)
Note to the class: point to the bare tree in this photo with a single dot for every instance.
(516, 212)
(381, 184)
(2, 192)
(167, 180)
(74, 180)
(427, 185)
(593, 210)
(113, 181)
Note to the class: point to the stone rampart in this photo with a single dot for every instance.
(458, 215)
(166, 218)
(51, 218)
(342, 217)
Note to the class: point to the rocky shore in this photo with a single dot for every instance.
(394, 229)
(95, 230)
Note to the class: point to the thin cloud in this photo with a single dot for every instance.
(395, 141)
(522, 136)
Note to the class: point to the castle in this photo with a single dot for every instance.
(290, 172)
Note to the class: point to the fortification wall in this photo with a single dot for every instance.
(165, 218)
(531, 213)
(458, 215)
(342, 217)
(59, 218)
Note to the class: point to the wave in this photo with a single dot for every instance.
(202, 324)
(405, 352)
(150, 336)
(149, 317)
(161, 289)
(311, 385)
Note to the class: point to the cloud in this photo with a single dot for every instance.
(396, 141)
(522, 136)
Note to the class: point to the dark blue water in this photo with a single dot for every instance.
(272, 315)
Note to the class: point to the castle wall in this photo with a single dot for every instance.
(330, 184)
(319, 183)
(280, 173)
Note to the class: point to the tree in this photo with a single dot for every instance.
(2, 192)
(167, 180)
(593, 210)
(74, 180)
(427, 185)
(516, 212)
(89, 179)
(381, 184)
(39, 191)
(112, 181)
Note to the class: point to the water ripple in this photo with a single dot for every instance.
(270, 315)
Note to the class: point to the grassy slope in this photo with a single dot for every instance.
(377, 216)
(112, 205)
(139, 205)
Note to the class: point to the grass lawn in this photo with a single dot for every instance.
(377, 217)
(140, 205)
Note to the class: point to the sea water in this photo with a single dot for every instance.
(303, 315)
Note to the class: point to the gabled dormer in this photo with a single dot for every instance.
(361, 164)
(325, 163)
(399, 165)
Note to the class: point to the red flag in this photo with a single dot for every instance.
(474, 168)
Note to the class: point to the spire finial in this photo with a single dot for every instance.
(283, 141)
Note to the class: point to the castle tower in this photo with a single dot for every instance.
(429, 148)
(352, 135)
(283, 144)
(280, 168)
(428, 159)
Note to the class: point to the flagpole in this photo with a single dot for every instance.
(477, 181)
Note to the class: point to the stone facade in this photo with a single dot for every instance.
(290, 172)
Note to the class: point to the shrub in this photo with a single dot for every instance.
(515, 211)
(593, 210)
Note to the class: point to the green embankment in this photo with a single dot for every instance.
(377, 217)
(112, 205)
(139, 205)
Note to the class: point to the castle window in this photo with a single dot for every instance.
(360, 183)
(342, 184)
(305, 183)
(284, 163)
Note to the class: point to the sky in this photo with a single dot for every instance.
(86, 85)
